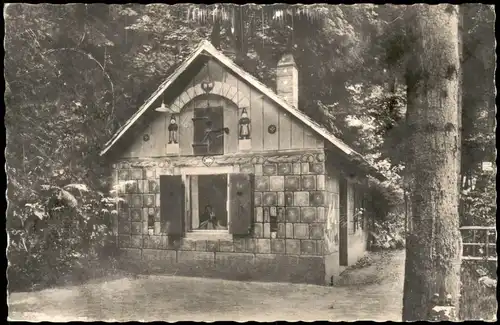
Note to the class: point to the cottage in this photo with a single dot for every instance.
(220, 176)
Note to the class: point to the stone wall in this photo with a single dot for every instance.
(295, 184)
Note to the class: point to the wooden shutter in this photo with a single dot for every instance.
(240, 203)
(172, 204)
(199, 125)
(216, 115)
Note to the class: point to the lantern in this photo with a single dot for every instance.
(172, 130)
(244, 123)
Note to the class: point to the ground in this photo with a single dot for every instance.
(372, 290)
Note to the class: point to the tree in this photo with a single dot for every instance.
(433, 78)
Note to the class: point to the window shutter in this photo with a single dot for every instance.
(241, 203)
(172, 204)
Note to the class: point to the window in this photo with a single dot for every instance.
(208, 123)
(208, 202)
(198, 202)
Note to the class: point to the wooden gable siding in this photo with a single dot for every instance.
(291, 133)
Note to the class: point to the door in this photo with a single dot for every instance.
(343, 239)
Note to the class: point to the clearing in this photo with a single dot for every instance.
(372, 291)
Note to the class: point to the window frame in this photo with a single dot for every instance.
(187, 173)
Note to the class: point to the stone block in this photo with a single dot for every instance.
(136, 214)
(301, 231)
(201, 258)
(316, 231)
(226, 246)
(308, 182)
(149, 173)
(321, 214)
(136, 228)
(320, 182)
(149, 201)
(123, 174)
(124, 228)
(308, 247)
(267, 217)
(131, 187)
(320, 247)
(269, 169)
(250, 245)
(317, 168)
(258, 199)
(296, 168)
(258, 230)
(285, 169)
(278, 246)
(301, 199)
(136, 201)
(292, 246)
(247, 169)
(289, 230)
(276, 183)
(235, 266)
(281, 230)
(151, 241)
(259, 214)
(292, 183)
(136, 241)
(281, 214)
(136, 173)
(267, 230)
(124, 241)
(288, 198)
(188, 244)
(258, 169)
(164, 242)
(317, 198)
(304, 168)
(308, 214)
(157, 228)
(201, 245)
(281, 199)
(157, 200)
(212, 245)
(262, 183)
(153, 186)
(292, 214)
(263, 245)
(269, 199)
(239, 245)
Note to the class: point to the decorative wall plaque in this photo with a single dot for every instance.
(272, 129)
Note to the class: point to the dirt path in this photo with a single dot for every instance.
(373, 292)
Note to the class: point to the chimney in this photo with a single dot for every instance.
(287, 78)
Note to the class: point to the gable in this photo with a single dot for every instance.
(264, 95)
(233, 94)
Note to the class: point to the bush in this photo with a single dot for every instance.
(388, 234)
(50, 238)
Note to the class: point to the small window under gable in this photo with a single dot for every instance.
(208, 135)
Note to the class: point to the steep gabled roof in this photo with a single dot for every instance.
(208, 48)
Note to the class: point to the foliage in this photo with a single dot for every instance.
(480, 201)
(50, 236)
(388, 234)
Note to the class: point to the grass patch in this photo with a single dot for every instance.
(478, 297)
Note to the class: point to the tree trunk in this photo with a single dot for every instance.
(434, 245)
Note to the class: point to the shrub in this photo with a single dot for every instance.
(388, 234)
(49, 238)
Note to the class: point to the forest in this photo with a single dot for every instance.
(75, 73)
